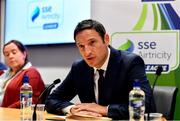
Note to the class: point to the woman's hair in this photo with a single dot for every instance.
(90, 24)
(20, 46)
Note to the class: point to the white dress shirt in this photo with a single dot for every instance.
(96, 75)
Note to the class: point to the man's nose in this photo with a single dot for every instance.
(87, 50)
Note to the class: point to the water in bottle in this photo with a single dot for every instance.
(25, 100)
(136, 103)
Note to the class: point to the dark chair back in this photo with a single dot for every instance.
(165, 100)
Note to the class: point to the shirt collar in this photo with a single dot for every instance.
(26, 66)
(104, 66)
(8, 73)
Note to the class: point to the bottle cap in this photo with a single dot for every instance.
(25, 79)
(136, 83)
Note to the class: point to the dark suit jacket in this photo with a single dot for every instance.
(123, 68)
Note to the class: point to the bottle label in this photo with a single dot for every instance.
(137, 103)
(26, 98)
(26, 94)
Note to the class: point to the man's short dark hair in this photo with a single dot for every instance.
(90, 24)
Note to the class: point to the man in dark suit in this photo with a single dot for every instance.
(120, 68)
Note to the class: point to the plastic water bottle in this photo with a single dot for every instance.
(136, 103)
(26, 100)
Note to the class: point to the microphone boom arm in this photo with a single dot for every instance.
(158, 73)
(44, 94)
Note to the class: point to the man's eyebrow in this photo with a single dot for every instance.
(78, 43)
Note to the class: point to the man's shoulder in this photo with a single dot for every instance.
(127, 54)
(80, 63)
(80, 66)
(124, 55)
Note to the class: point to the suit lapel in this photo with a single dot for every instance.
(90, 84)
(113, 66)
(110, 77)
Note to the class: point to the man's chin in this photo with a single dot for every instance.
(91, 64)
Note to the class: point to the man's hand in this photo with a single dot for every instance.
(91, 109)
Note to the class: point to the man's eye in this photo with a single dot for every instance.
(80, 46)
(92, 42)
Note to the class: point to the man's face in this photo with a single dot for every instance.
(92, 48)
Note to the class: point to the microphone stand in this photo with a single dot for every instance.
(158, 73)
(45, 93)
(34, 113)
(35, 106)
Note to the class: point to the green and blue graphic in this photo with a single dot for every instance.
(168, 16)
(169, 20)
(154, 35)
(35, 14)
(128, 46)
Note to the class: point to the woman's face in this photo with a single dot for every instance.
(14, 58)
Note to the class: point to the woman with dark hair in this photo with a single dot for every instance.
(16, 58)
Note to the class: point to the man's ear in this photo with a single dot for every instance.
(106, 39)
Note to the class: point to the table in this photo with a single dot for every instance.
(12, 114)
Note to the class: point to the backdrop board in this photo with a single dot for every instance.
(149, 28)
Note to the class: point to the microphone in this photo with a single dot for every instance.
(46, 92)
(158, 73)
(44, 96)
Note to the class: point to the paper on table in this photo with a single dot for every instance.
(86, 117)
(56, 117)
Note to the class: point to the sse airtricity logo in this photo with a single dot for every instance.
(44, 14)
(152, 46)
(35, 14)
(128, 46)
